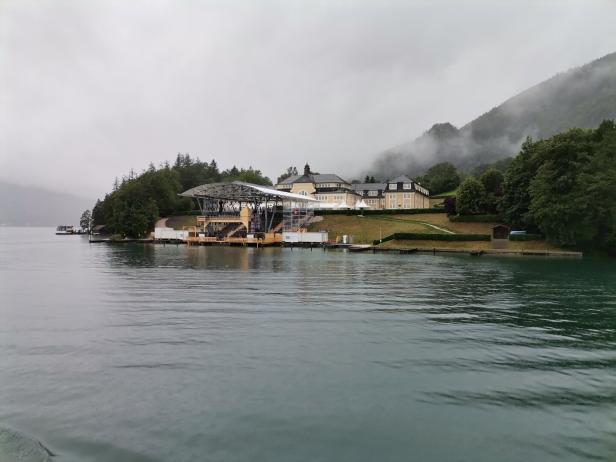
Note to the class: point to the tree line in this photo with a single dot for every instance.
(137, 201)
(563, 187)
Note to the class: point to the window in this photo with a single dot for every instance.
(373, 193)
(407, 186)
(393, 186)
(303, 193)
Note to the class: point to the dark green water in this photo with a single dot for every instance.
(151, 353)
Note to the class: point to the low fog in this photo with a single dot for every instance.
(89, 90)
(581, 97)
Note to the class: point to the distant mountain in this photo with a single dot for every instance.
(581, 97)
(32, 206)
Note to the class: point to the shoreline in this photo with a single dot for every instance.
(480, 252)
(375, 249)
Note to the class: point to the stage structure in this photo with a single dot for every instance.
(241, 212)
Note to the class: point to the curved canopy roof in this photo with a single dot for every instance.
(244, 192)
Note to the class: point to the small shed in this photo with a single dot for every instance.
(500, 232)
(99, 229)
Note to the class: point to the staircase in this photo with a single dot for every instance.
(236, 229)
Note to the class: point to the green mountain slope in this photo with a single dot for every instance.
(580, 97)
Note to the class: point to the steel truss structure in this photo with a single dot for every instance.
(270, 209)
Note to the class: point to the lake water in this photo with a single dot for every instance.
(152, 353)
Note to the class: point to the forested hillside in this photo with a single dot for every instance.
(138, 200)
(579, 98)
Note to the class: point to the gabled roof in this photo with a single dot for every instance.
(328, 178)
(290, 180)
(313, 178)
(368, 186)
(401, 179)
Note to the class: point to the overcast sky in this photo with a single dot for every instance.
(91, 89)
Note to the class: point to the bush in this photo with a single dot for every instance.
(474, 218)
(440, 178)
(492, 181)
(471, 196)
(434, 237)
(450, 205)
(526, 237)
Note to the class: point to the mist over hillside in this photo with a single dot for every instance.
(32, 206)
(581, 97)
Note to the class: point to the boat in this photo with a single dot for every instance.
(65, 230)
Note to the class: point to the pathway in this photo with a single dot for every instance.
(419, 222)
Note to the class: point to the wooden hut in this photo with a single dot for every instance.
(500, 232)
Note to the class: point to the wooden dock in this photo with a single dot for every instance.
(120, 241)
(267, 239)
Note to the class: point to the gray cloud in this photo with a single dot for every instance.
(90, 89)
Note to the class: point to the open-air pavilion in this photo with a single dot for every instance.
(245, 213)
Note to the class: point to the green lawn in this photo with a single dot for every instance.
(370, 228)
(445, 194)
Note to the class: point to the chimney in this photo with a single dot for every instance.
(306, 169)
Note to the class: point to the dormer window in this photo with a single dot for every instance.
(407, 186)
(393, 186)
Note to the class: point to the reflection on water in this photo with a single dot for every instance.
(174, 353)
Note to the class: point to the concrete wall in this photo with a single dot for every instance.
(307, 188)
(337, 197)
(316, 238)
(406, 200)
(170, 233)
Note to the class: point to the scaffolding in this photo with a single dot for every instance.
(225, 207)
(295, 218)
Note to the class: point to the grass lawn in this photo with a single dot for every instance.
(367, 229)
(440, 219)
(463, 245)
(451, 193)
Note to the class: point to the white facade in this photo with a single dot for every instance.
(170, 234)
(316, 238)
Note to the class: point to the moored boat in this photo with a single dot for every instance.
(65, 229)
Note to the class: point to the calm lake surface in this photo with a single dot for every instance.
(152, 353)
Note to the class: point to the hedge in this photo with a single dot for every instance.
(434, 237)
(526, 237)
(474, 218)
(379, 212)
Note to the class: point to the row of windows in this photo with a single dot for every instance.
(328, 185)
(324, 197)
(376, 193)
(404, 196)
(404, 186)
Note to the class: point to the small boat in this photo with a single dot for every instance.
(65, 230)
(360, 247)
